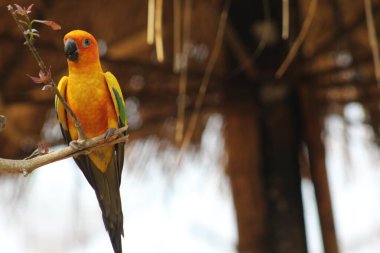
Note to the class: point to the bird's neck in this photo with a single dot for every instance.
(83, 68)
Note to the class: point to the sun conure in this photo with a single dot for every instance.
(96, 100)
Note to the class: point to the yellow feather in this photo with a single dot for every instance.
(58, 105)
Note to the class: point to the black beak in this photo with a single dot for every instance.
(71, 50)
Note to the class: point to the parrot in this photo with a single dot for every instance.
(96, 99)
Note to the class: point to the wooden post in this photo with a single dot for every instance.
(280, 141)
(244, 170)
(313, 131)
(262, 143)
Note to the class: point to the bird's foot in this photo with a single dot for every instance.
(109, 133)
(77, 144)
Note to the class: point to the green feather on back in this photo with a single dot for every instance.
(120, 103)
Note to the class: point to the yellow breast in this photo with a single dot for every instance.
(89, 98)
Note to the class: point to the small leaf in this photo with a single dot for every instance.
(49, 23)
(32, 155)
(18, 7)
(46, 149)
(43, 149)
(35, 34)
(31, 31)
(22, 21)
(45, 77)
(42, 78)
(29, 10)
(39, 148)
(19, 10)
(35, 79)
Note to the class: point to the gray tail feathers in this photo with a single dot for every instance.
(106, 186)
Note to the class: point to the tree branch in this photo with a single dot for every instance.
(313, 5)
(76, 148)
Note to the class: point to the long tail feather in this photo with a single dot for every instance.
(106, 186)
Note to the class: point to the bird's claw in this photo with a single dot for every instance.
(77, 144)
(109, 133)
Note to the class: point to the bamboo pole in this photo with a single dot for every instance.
(183, 67)
(177, 35)
(372, 37)
(150, 22)
(158, 31)
(299, 40)
(318, 168)
(285, 19)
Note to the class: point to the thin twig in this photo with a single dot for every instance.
(299, 40)
(285, 19)
(181, 103)
(206, 78)
(150, 23)
(246, 59)
(372, 37)
(158, 31)
(76, 148)
(177, 32)
(45, 70)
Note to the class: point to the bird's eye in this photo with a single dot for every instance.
(86, 42)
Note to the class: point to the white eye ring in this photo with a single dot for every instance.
(86, 42)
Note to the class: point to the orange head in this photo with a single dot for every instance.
(81, 50)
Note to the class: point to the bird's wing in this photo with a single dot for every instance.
(61, 112)
(117, 97)
(118, 102)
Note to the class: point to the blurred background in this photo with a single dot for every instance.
(253, 127)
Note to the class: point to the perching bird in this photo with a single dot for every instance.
(96, 100)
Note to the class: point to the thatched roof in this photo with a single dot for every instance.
(274, 88)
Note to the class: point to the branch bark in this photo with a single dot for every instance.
(76, 148)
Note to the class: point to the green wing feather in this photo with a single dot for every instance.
(118, 102)
(117, 97)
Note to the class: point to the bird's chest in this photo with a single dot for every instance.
(87, 97)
